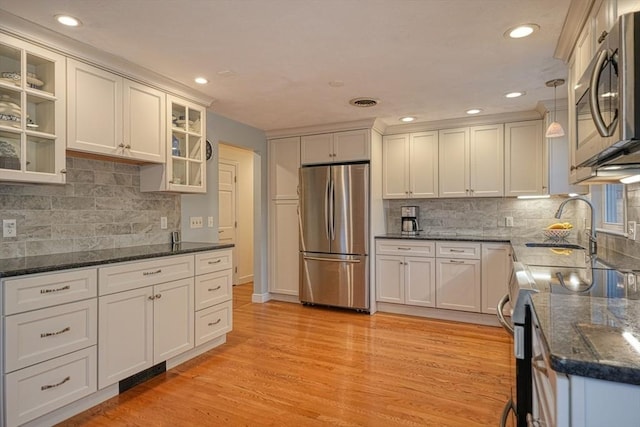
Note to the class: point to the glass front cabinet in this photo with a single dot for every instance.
(32, 108)
(185, 167)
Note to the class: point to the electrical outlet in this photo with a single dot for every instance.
(210, 222)
(631, 230)
(9, 228)
(195, 222)
(508, 221)
(163, 222)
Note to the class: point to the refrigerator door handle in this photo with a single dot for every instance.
(313, 258)
(326, 208)
(332, 196)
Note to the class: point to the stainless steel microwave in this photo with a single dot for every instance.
(607, 99)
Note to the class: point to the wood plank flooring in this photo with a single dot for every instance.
(289, 365)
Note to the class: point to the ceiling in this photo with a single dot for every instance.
(269, 62)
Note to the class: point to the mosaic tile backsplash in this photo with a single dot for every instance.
(100, 207)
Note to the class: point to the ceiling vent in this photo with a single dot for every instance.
(364, 102)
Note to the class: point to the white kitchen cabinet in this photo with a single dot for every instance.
(284, 247)
(113, 116)
(524, 159)
(335, 147)
(410, 165)
(458, 281)
(496, 272)
(214, 290)
(471, 161)
(32, 113)
(603, 19)
(185, 168)
(143, 327)
(284, 163)
(402, 278)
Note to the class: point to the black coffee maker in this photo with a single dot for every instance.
(410, 226)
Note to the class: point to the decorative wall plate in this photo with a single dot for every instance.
(209, 150)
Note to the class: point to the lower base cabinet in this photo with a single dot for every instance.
(458, 284)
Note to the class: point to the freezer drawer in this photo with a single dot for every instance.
(335, 280)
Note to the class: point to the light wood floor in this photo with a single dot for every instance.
(289, 365)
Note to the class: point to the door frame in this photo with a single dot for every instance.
(235, 165)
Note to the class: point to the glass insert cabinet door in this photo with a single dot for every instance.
(32, 130)
(186, 157)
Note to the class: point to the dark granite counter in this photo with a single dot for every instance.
(589, 336)
(54, 262)
(447, 237)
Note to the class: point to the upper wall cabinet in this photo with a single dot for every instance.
(410, 165)
(284, 162)
(32, 115)
(185, 167)
(524, 154)
(113, 116)
(336, 147)
(471, 161)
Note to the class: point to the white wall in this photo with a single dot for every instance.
(221, 129)
(244, 208)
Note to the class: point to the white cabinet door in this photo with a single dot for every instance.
(458, 284)
(390, 273)
(496, 272)
(94, 109)
(284, 253)
(453, 155)
(125, 335)
(173, 319)
(351, 146)
(144, 122)
(284, 163)
(420, 281)
(524, 158)
(486, 168)
(423, 164)
(316, 149)
(395, 166)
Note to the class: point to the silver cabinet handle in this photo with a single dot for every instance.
(351, 261)
(500, 308)
(404, 249)
(48, 386)
(218, 261)
(453, 261)
(150, 273)
(457, 250)
(602, 128)
(215, 289)
(48, 291)
(214, 323)
(53, 334)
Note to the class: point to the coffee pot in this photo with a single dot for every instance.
(410, 225)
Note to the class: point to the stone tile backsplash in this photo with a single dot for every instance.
(100, 207)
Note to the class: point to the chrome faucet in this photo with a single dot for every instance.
(593, 244)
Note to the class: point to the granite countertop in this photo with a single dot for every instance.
(45, 263)
(589, 336)
(448, 237)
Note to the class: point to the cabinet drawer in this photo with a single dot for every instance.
(213, 288)
(459, 250)
(39, 335)
(210, 262)
(123, 277)
(213, 322)
(47, 386)
(405, 247)
(45, 290)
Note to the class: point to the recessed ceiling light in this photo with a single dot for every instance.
(474, 111)
(514, 94)
(521, 31)
(407, 119)
(201, 80)
(68, 20)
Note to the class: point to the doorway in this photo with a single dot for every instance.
(235, 208)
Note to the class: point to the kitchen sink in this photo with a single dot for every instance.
(560, 245)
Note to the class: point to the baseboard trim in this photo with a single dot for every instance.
(441, 314)
(245, 279)
(260, 298)
(284, 297)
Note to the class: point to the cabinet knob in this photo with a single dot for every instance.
(127, 146)
(151, 297)
(63, 171)
(121, 145)
(573, 167)
(171, 182)
(603, 35)
(158, 296)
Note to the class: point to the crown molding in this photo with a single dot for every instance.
(577, 15)
(30, 32)
(371, 123)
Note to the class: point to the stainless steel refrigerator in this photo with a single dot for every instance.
(334, 235)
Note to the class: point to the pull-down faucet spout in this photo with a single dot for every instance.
(593, 244)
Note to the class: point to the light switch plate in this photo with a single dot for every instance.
(210, 222)
(195, 222)
(163, 222)
(631, 230)
(9, 228)
(508, 221)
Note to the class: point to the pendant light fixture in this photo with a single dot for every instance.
(555, 129)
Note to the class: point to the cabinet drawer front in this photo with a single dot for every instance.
(210, 262)
(39, 335)
(213, 288)
(45, 290)
(47, 386)
(123, 277)
(405, 247)
(463, 250)
(213, 322)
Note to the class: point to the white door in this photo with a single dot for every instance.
(423, 164)
(420, 278)
(173, 319)
(453, 165)
(395, 167)
(227, 221)
(486, 164)
(390, 278)
(458, 284)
